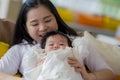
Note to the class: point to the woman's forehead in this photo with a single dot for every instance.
(39, 12)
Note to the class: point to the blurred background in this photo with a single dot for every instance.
(102, 17)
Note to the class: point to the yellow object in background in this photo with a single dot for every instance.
(110, 23)
(3, 48)
(66, 14)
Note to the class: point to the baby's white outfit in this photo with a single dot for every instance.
(55, 66)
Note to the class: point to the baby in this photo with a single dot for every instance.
(50, 62)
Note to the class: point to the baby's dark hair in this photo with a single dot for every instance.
(52, 33)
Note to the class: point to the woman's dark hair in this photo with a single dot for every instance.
(21, 33)
(53, 33)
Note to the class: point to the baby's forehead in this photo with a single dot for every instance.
(57, 38)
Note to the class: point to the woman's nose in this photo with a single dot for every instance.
(42, 27)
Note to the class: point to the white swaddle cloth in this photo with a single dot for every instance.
(109, 53)
(55, 67)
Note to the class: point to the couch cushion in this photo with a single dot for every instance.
(6, 30)
(117, 77)
(3, 48)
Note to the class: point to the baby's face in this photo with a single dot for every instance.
(55, 42)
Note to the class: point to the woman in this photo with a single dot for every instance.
(36, 18)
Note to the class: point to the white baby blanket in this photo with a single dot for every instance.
(55, 67)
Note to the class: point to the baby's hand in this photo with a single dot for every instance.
(41, 61)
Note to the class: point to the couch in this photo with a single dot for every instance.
(6, 34)
(6, 30)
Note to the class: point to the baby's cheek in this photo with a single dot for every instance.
(48, 50)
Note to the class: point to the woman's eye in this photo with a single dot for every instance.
(61, 44)
(35, 24)
(48, 20)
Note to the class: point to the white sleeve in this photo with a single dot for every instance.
(93, 60)
(10, 62)
(89, 58)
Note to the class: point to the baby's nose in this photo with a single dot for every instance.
(56, 47)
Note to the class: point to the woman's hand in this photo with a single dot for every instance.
(81, 69)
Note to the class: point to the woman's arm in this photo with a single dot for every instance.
(4, 76)
(103, 74)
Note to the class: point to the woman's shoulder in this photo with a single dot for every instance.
(20, 46)
(23, 45)
(18, 49)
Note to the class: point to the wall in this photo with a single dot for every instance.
(10, 9)
(99, 16)
(4, 8)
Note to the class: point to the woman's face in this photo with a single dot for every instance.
(40, 21)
